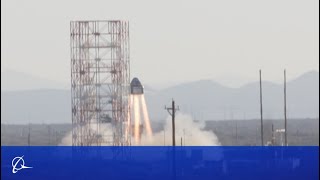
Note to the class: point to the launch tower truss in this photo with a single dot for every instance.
(100, 82)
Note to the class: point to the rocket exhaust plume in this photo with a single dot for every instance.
(146, 115)
(139, 105)
(136, 109)
(128, 129)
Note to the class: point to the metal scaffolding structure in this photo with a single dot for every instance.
(100, 82)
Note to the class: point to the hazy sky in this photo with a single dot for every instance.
(171, 41)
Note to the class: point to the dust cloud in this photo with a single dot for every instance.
(188, 133)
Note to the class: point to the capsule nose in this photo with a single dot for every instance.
(135, 82)
(136, 86)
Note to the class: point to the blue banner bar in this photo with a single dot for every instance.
(156, 162)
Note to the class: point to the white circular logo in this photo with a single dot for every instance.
(15, 164)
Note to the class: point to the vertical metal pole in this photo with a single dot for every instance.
(261, 111)
(173, 125)
(272, 135)
(172, 112)
(184, 137)
(257, 136)
(49, 135)
(57, 143)
(174, 139)
(285, 109)
(236, 132)
(29, 138)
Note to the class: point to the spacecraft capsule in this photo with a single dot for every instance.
(136, 86)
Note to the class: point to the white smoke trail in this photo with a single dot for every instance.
(146, 115)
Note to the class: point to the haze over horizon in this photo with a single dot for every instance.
(19, 81)
(171, 41)
(202, 99)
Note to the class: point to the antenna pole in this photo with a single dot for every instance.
(261, 111)
(285, 109)
(273, 138)
(29, 138)
(236, 133)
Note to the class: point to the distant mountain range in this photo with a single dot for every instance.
(203, 99)
(209, 100)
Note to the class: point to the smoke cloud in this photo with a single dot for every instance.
(191, 132)
(104, 131)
